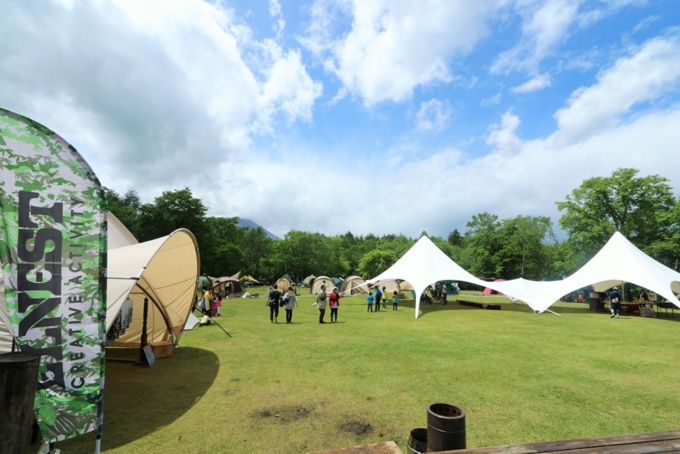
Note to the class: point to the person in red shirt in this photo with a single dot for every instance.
(334, 303)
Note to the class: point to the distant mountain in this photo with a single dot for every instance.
(247, 223)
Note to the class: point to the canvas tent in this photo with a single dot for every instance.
(318, 281)
(423, 265)
(309, 280)
(165, 271)
(227, 286)
(390, 286)
(283, 283)
(354, 285)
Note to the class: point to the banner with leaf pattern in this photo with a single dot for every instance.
(53, 254)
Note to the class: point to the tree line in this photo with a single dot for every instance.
(642, 208)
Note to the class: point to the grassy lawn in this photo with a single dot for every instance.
(520, 377)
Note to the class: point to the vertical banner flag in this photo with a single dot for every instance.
(53, 254)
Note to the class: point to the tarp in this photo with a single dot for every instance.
(423, 265)
(165, 271)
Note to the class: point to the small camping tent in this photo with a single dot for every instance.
(283, 283)
(227, 287)
(318, 282)
(308, 281)
(354, 285)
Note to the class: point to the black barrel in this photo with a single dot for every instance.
(417, 442)
(445, 427)
(18, 383)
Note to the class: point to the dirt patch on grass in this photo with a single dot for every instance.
(285, 414)
(357, 428)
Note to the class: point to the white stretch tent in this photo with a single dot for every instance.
(618, 261)
(423, 265)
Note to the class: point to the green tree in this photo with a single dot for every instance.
(455, 238)
(523, 249)
(482, 245)
(256, 247)
(641, 208)
(375, 262)
(225, 256)
(126, 208)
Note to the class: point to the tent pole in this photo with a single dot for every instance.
(142, 355)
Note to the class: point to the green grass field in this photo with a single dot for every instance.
(521, 377)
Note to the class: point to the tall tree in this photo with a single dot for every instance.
(126, 208)
(375, 262)
(225, 256)
(256, 247)
(641, 208)
(523, 249)
(482, 244)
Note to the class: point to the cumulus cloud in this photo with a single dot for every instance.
(544, 26)
(433, 115)
(647, 74)
(151, 82)
(395, 46)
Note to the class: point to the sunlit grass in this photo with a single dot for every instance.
(520, 377)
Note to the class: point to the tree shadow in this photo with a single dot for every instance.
(139, 400)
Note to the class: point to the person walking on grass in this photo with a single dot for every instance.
(370, 300)
(384, 298)
(615, 302)
(395, 300)
(334, 304)
(321, 298)
(273, 303)
(291, 301)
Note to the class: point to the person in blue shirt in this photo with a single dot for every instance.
(370, 299)
(378, 297)
(615, 302)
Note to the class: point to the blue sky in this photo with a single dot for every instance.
(370, 116)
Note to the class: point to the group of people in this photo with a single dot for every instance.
(379, 298)
(277, 299)
(289, 300)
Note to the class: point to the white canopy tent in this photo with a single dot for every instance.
(618, 261)
(423, 265)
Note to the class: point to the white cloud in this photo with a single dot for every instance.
(433, 115)
(539, 82)
(395, 46)
(503, 137)
(544, 26)
(648, 73)
(141, 85)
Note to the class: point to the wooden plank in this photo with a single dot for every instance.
(650, 442)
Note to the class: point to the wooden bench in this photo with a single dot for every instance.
(650, 442)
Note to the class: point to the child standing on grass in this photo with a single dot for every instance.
(370, 299)
(395, 300)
